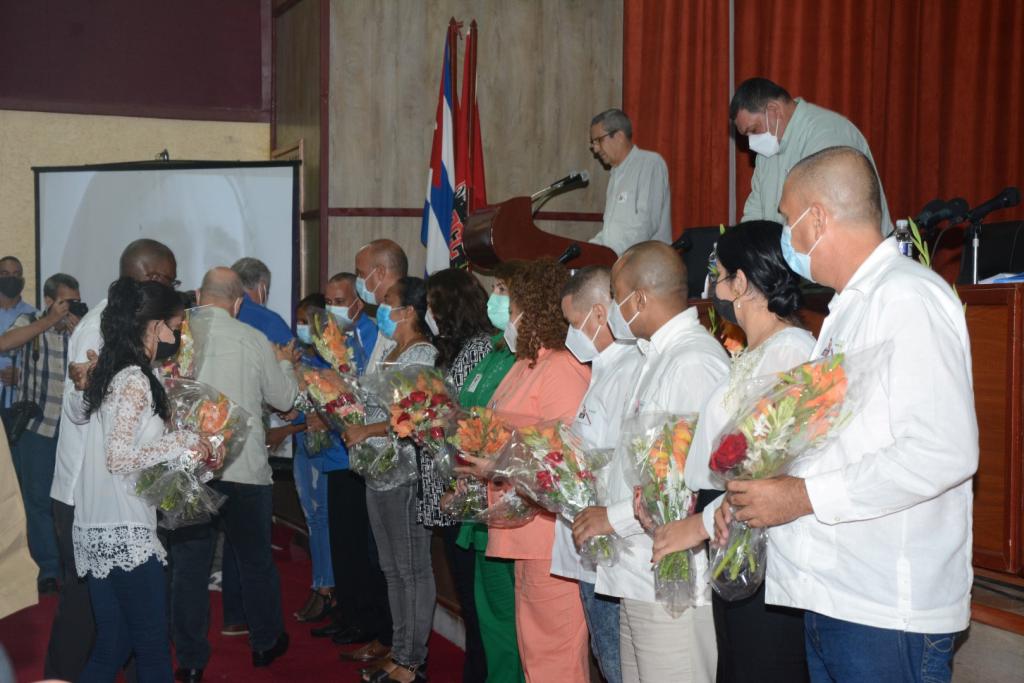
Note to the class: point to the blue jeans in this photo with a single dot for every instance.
(34, 458)
(602, 613)
(246, 518)
(130, 609)
(842, 651)
(311, 485)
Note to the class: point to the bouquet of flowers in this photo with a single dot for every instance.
(466, 499)
(384, 466)
(787, 415)
(420, 402)
(335, 397)
(508, 512)
(315, 441)
(331, 342)
(548, 464)
(477, 432)
(178, 489)
(657, 445)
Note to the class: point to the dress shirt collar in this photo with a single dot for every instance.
(630, 157)
(610, 356)
(866, 277)
(797, 120)
(682, 323)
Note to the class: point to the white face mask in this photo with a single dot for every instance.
(619, 325)
(340, 314)
(511, 335)
(579, 344)
(766, 144)
(431, 323)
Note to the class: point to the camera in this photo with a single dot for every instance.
(77, 308)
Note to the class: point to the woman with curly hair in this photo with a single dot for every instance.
(545, 383)
(114, 532)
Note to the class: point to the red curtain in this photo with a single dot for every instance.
(676, 91)
(936, 86)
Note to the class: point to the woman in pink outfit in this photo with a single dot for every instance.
(545, 383)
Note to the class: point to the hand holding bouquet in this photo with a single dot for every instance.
(548, 464)
(657, 445)
(178, 489)
(787, 415)
(508, 512)
(335, 397)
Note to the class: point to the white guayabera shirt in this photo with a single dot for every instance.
(889, 543)
(682, 365)
(598, 422)
(637, 205)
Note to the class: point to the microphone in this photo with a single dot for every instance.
(927, 215)
(1006, 199)
(574, 179)
(571, 252)
(936, 211)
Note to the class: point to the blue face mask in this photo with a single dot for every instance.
(385, 324)
(340, 314)
(365, 294)
(497, 310)
(797, 262)
(304, 334)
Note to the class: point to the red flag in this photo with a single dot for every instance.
(470, 184)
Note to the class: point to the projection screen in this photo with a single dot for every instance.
(208, 213)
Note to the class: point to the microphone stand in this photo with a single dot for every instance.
(975, 234)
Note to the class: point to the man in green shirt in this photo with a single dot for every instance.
(783, 131)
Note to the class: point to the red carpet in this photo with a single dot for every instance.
(26, 633)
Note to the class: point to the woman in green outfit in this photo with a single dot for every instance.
(494, 586)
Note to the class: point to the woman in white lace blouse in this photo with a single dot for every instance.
(114, 533)
(757, 291)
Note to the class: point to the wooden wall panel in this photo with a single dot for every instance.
(348, 234)
(545, 68)
(297, 86)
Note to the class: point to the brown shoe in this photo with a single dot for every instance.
(235, 630)
(367, 653)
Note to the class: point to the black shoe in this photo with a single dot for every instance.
(331, 629)
(188, 675)
(265, 657)
(351, 635)
(47, 586)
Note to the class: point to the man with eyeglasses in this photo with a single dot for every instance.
(637, 205)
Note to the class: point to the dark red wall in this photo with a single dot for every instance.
(199, 59)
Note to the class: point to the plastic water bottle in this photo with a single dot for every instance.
(904, 239)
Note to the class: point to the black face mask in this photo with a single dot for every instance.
(165, 350)
(725, 309)
(11, 286)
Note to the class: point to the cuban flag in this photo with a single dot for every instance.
(435, 233)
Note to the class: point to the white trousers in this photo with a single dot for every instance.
(656, 647)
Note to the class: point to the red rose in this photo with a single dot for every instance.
(439, 399)
(418, 396)
(730, 453)
(404, 417)
(436, 432)
(405, 403)
(544, 481)
(554, 457)
(429, 414)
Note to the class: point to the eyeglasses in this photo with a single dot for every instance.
(595, 141)
(163, 279)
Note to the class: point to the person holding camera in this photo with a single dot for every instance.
(39, 348)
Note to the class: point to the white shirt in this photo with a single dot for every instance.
(71, 438)
(114, 528)
(682, 365)
(598, 422)
(637, 205)
(785, 349)
(889, 543)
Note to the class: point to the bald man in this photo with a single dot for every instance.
(872, 535)
(682, 364)
(379, 264)
(73, 627)
(241, 363)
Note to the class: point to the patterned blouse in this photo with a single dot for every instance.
(431, 486)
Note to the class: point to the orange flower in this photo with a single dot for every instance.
(213, 415)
